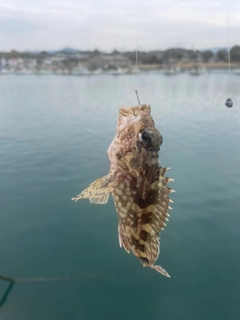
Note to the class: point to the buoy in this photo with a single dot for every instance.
(229, 103)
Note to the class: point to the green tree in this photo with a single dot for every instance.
(207, 55)
(13, 54)
(235, 54)
(222, 55)
(192, 54)
(115, 52)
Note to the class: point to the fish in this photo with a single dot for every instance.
(137, 183)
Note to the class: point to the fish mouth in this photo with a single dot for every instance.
(131, 115)
(135, 111)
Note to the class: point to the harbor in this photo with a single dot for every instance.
(72, 62)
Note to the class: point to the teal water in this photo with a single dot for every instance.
(54, 133)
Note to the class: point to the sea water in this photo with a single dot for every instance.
(54, 133)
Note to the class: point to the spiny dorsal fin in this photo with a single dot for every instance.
(122, 241)
(157, 215)
(163, 204)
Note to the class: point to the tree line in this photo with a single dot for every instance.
(144, 57)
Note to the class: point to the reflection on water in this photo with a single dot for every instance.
(54, 133)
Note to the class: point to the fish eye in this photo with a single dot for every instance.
(145, 136)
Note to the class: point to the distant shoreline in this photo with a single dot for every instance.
(187, 66)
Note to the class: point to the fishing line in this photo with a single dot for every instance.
(229, 58)
(229, 102)
(136, 62)
(12, 281)
(137, 97)
(66, 278)
(39, 279)
(136, 57)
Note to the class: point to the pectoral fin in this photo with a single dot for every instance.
(100, 200)
(98, 191)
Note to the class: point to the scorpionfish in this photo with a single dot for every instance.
(137, 183)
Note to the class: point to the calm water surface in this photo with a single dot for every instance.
(54, 133)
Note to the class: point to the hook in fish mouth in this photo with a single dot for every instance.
(130, 115)
(136, 110)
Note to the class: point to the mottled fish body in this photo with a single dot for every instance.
(137, 183)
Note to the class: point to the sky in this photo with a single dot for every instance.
(118, 24)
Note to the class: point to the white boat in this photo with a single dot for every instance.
(81, 71)
(97, 71)
(237, 71)
(65, 71)
(119, 71)
(134, 70)
(172, 71)
(43, 72)
(58, 72)
(5, 72)
(197, 70)
(24, 72)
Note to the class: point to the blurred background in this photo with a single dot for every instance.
(65, 69)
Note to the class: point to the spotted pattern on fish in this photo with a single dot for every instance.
(142, 211)
(138, 185)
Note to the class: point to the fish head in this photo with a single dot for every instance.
(137, 142)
